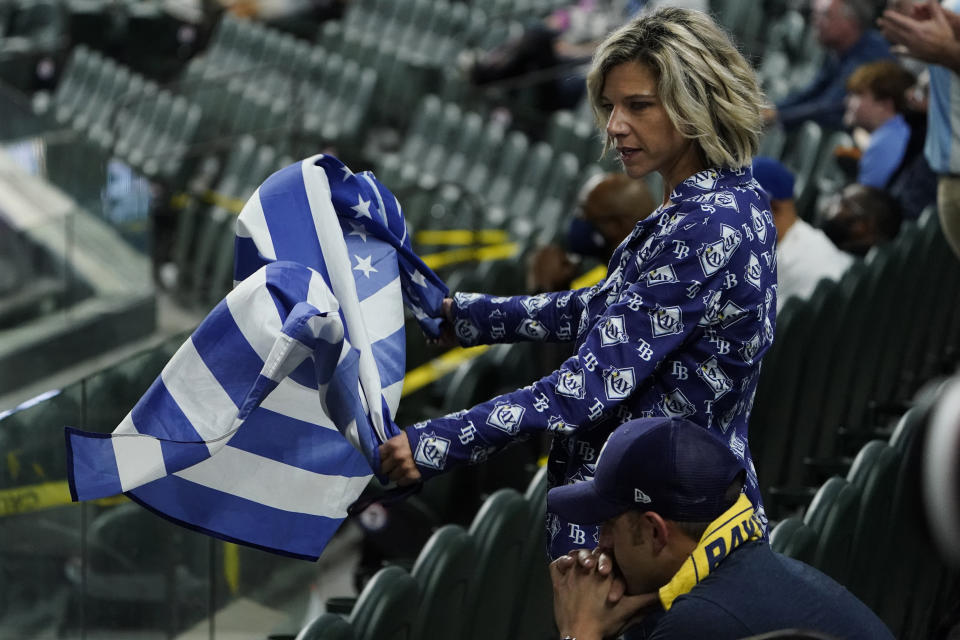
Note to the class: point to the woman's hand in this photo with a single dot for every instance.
(447, 338)
(396, 461)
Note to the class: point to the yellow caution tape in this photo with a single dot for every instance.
(430, 372)
(42, 496)
(481, 254)
(233, 205)
(461, 237)
(590, 278)
(231, 566)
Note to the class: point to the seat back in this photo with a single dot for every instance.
(500, 531)
(327, 626)
(387, 607)
(444, 570)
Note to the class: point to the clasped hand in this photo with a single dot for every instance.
(589, 596)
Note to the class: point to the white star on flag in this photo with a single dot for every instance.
(358, 230)
(418, 278)
(363, 264)
(362, 208)
(346, 173)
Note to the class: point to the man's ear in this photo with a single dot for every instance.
(658, 530)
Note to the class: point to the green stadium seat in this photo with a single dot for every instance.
(846, 316)
(527, 189)
(460, 158)
(387, 607)
(794, 539)
(771, 421)
(901, 299)
(782, 531)
(872, 332)
(489, 147)
(533, 611)
(835, 525)
(444, 570)
(910, 583)
(874, 472)
(501, 185)
(500, 531)
(818, 358)
(327, 626)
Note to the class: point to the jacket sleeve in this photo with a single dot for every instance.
(644, 323)
(547, 317)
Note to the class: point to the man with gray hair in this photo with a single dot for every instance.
(843, 27)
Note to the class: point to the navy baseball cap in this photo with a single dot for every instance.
(774, 178)
(667, 465)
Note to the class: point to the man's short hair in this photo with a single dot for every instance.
(885, 79)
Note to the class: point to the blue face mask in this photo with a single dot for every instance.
(584, 239)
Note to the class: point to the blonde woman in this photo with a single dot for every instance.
(687, 309)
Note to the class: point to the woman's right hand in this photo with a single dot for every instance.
(447, 337)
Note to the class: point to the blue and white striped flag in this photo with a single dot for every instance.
(264, 426)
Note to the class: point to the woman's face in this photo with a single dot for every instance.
(640, 128)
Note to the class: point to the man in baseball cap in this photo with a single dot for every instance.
(681, 553)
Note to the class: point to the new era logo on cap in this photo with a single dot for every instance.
(640, 496)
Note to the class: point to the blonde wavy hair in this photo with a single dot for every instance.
(709, 91)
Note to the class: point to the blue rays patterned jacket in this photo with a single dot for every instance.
(677, 328)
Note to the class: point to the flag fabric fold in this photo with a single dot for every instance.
(264, 426)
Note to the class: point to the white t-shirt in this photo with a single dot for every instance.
(805, 255)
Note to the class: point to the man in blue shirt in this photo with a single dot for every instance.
(680, 552)
(842, 27)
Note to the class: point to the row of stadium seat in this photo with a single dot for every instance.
(488, 582)
(408, 44)
(294, 96)
(852, 354)
(510, 183)
(867, 530)
(121, 114)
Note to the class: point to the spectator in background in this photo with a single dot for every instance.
(860, 218)
(805, 255)
(843, 28)
(876, 101)
(680, 546)
(931, 33)
(611, 205)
